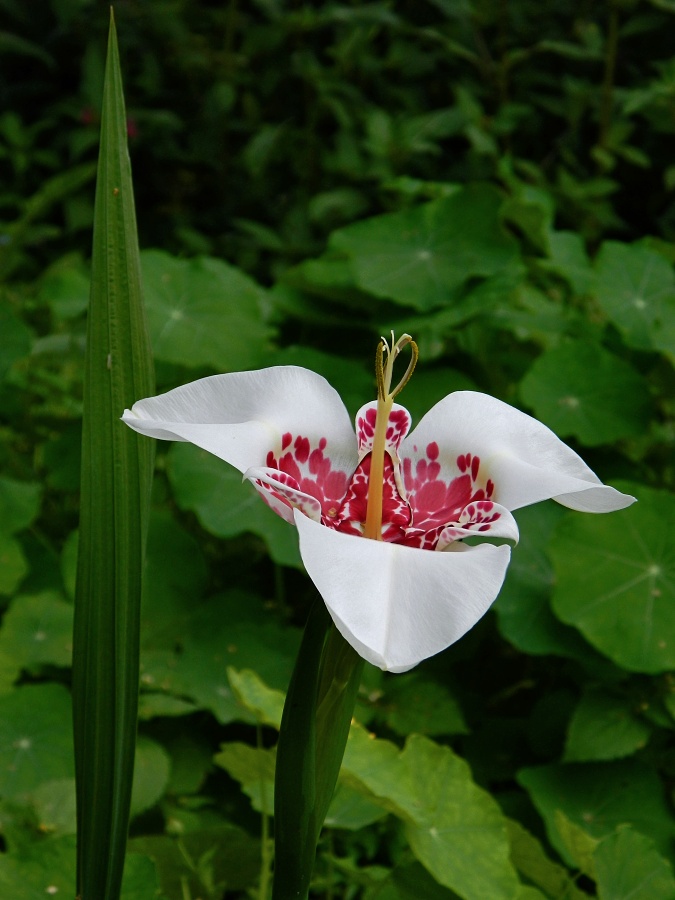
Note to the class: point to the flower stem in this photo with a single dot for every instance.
(314, 728)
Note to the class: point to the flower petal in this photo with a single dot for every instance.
(397, 428)
(282, 494)
(519, 459)
(398, 605)
(242, 417)
(483, 518)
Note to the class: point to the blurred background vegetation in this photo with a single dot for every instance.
(496, 177)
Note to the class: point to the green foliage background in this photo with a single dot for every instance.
(497, 179)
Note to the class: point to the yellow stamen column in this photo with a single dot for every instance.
(385, 402)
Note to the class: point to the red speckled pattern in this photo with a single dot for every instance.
(419, 507)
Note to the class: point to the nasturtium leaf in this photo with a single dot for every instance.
(411, 881)
(40, 870)
(421, 257)
(13, 564)
(224, 504)
(175, 575)
(616, 580)
(582, 390)
(329, 276)
(68, 563)
(567, 258)
(153, 703)
(578, 843)
(62, 457)
(253, 768)
(413, 703)
(47, 869)
(64, 287)
(351, 809)
(191, 761)
(598, 797)
(433, 331)
(523, 607)
(189, 659)
(16, 337)
(54, 804)
(528, 856)
(454, 828)
(140, 880)
(628, 867)
(533, 315)
(10, 670)
(204, 312)
(152, 766)
(636, 288)
(252, 694)
(38, 630)
(531, 211)
(604, 726)
(36, 741)
(19, 504)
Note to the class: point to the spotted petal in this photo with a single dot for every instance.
(282, 494)
(513, 457)
(398, 605)
(243, 417)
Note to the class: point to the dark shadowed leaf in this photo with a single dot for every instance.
(423, 256)
(204, 312)
(580, 389)
(616, 580)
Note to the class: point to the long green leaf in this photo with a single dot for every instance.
(312, 739)
(115, 495)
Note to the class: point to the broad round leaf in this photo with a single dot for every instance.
(636, 288)
(604, 726)
(38, 630)
(628, 866)
(579, 389)
(523, 611)
(616, 580)
(598, 797)
(190, 656)
(54, 804)
(454, 827)
(151, 775)
(421, 257)
(46, 869)
(203, 312)
(36, 741)
(13, 565)
(19, 504)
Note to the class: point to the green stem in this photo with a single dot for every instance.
(314, 729)
(265, 861)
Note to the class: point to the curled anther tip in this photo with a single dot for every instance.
(379, 368)
(414, 351)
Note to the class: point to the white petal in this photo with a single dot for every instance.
(472, 523)
(526, 461)
(241, 416)
(282, 494)
(398, 605)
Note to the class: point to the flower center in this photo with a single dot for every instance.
(384, 370)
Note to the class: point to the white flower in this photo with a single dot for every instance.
(414, 588)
